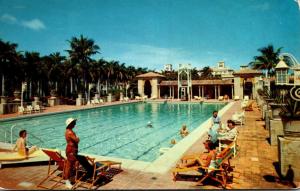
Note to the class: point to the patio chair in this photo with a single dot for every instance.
(238, 118)
(221, 98)
(138, 98)
(126, 99)
(56, 174)
(89, 171)
(196, 97)
(221, 169)
(246, 98)
(37, 108)
(224, 143)
(236, 98)
(29, 109)
(248, 106)
(21, 110)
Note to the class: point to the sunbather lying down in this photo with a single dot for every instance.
(204, 159)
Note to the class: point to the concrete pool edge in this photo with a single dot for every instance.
(165, 162)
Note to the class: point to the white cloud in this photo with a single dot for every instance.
(8, 18)
(34, 24)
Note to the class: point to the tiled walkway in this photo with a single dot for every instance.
(254, 162)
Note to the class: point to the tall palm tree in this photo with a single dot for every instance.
(206, 73)
(8, 58)
(81, 51)
(267, 60)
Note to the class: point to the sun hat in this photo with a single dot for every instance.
(69, 121)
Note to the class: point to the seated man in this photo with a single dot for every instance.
(229, 133)
(204, 159)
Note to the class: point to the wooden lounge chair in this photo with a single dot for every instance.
(248, 106)
(56, 174)
(221, 169)
(221, 98)
(21, 110)
(89, 171)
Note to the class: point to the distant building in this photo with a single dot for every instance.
(222, 71)
(168, 67)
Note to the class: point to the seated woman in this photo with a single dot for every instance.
(21, 145)
(204, 159)
(184, 131)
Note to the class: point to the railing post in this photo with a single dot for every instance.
(11, 134)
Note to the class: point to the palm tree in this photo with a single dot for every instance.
(8, 58)
(206, 73)
(81, 51)
(267, 60)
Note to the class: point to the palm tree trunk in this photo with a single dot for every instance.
(3, 80)
(30, 89)
(71, 84)
(98, 86)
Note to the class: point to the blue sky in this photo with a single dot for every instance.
(151, 33)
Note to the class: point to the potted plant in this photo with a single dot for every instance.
(290, 115)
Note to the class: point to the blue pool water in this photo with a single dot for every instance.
(118, 131)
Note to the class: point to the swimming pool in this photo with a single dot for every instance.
(118, 131)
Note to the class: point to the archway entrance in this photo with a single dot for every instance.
(147, 88)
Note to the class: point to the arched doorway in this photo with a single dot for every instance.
(147, 88)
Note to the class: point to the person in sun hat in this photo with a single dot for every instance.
(71, 150)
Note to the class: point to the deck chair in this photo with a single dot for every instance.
(89, 171)
(29, 109)
(37, 108)
(225, 143)
(236, 98)
(56, 174)
(21, 110)
(248, 106)
(221, 169)
(221, 98)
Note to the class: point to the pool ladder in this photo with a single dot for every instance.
(11, 136)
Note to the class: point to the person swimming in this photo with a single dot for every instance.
(149, 124)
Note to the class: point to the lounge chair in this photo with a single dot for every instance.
(56, 174)
(246, 98)
(21, 110)
(221, 169)
(221, 98)
(236, 98)
(238, 118)
(37, 108)
(126, 99)
(101, 101)
(89, 171)
(29, 109)
(224, 143)
(138, 98)
(196, 97)
(248, 106)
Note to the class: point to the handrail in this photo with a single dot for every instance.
(11, 133)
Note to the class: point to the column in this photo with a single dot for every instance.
(141, 84)
(199, 91)
(173, 92)
(202, 91)
(232, 93)
(216, 92)
(219, 90)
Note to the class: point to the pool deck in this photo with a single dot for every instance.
(256, 159)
